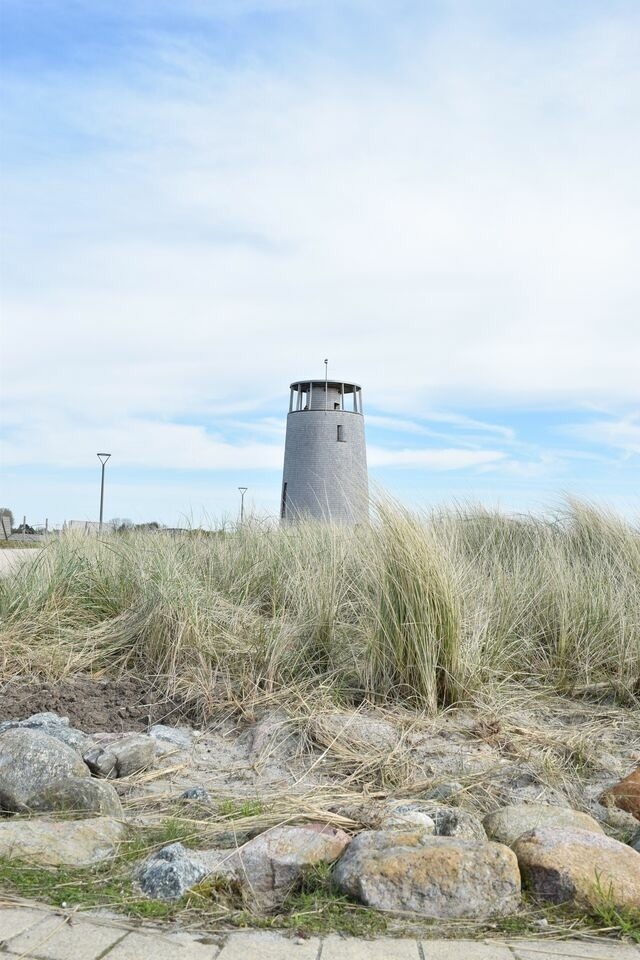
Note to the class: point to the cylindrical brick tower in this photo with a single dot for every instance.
(325, 456)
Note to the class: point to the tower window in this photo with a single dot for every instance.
(283, 507)
(340, 433)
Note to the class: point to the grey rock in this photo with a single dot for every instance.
(270, 865)
(53, 725)
(408, 816)
(122, 757)
(70, 842)
(46, 719)
(102, 737)
(73, 738)
(436, 877)
(181, 737)
(447, 821)
(170, 873)
(510, 822)
(444, 791)
(29, 761)
(78, 795)
(341, 728)
(634, 843)
(271, 735)
(37, 721)
(197, 794)
(100, 761)
(455, 822)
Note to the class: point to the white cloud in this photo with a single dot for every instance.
(459, 228)
(137, 443)
(443, 459)
(620, 433)
(402, 425)
(451, 216)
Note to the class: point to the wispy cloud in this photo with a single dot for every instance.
(619, 433)
(438, 459)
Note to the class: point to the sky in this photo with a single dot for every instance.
(202, 200)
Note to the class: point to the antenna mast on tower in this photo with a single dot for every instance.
(326, 385)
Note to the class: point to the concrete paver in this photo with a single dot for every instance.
(341, 948)
(158, 946)
(558, 950)
(14, 920)
(268, 946)
(465, 950)
(56, 939)
(45, 934)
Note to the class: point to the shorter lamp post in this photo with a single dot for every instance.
(242, 490)
(102, 457)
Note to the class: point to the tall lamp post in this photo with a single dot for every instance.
(102, 457)
(242, 490)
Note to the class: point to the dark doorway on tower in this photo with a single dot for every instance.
(283, 505)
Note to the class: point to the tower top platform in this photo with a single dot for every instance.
(332, 384)
(327, 395)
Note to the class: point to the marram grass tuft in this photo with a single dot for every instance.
(416, 610)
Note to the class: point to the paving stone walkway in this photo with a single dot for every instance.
(41, 933)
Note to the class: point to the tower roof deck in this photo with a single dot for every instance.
(349, 387)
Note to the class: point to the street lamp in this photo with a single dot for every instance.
(102, 457)
(242, 490)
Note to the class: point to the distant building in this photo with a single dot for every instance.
(325, 456)
(89, 527)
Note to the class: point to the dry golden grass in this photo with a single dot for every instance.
(414, 611)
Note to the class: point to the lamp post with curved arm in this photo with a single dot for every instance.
(102, 457)
(242, 490)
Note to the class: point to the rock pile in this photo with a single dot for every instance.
(423, 856)
(46, 766)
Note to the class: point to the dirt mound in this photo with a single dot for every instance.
(90, 704)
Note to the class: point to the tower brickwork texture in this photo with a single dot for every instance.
(325, 456)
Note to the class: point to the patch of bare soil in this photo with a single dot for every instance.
(91, 704)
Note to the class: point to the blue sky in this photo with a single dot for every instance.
(200, 201)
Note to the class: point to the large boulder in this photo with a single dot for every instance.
(271, 864)
(509, 823)
(122, 757)
(436, 877)
(78, 795)
(170, 873)
(625, 794)
(73, 843)
(579, 866)
(29, 761)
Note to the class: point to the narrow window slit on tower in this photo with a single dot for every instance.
(340, 433)
(283, 507)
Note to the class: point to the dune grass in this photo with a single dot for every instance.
(418, 610)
